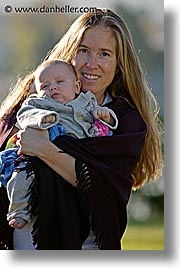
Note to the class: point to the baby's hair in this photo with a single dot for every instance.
(56, 62)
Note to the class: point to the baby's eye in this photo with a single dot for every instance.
(45, 87)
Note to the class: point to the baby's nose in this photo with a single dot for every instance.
(53, 87)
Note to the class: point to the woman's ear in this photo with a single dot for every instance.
(78, 86)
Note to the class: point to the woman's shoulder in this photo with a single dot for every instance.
(7, 116)
(7, 123)
(122, 106)
(128, 116)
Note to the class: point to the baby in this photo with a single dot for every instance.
(60, 106)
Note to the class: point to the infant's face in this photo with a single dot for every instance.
(57, 81)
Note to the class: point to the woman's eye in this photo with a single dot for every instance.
(105, 54)
(82, 50)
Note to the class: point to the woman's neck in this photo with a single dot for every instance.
(100, 99)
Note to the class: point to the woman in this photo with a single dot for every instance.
(91, 180)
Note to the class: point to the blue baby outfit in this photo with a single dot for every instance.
(7, 166)
(8, 156)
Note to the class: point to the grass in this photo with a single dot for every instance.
(143, 237)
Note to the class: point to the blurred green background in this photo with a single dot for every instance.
(25, 39)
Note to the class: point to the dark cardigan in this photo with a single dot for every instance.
(103, 167)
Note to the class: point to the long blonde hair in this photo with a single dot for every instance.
(128, 81)
(17, 94)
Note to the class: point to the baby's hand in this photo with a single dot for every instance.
(49, 119)
(104, 114)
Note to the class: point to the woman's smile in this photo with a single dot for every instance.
(90, 76)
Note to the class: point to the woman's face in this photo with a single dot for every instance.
(95, 60)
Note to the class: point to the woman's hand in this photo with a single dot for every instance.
(35, 142)
(32, 141)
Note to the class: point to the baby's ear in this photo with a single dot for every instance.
(32, 88)
(78, 86)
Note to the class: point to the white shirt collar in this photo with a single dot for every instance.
(107, 99)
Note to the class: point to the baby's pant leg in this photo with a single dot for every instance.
(17, 189)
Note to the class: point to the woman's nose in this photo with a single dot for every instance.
(91, 62)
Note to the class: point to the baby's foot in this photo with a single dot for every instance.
(17, 223)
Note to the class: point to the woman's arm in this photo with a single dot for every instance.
(36, 142)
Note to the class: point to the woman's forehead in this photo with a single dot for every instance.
(99, 36)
